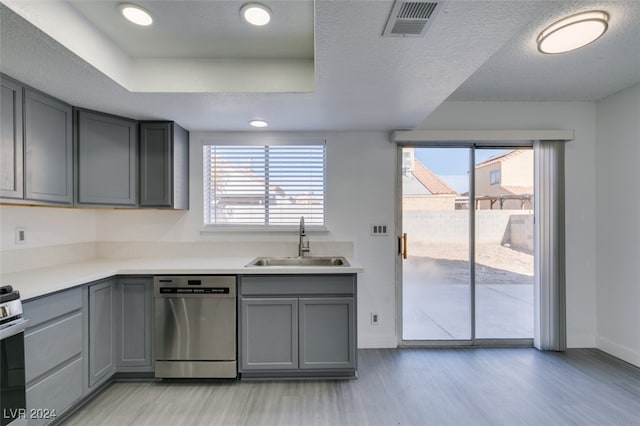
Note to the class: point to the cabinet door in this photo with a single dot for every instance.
(156, 164)
(327, 333)
(269, 334)
(133, 319)
(11, 142)
(48, 143)
(107, 157)
(101, 332)
(164, 165)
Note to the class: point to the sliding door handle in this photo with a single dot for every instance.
(402, 245)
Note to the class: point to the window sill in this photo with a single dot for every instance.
(288, 229)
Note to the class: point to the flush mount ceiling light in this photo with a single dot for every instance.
(573, 32)
(256, 14)
(136, 14)
(258, 123)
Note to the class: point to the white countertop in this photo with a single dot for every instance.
(38, 282)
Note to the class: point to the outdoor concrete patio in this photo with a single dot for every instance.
(436, 293)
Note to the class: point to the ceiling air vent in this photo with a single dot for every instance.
(410, 18)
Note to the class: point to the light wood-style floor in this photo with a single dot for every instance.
(398, 387)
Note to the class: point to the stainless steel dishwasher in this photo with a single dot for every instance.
(195, 326)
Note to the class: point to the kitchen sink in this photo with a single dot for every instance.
(298, 261)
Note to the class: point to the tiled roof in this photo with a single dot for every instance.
(518, 190)
(431, 181)
(500, 158)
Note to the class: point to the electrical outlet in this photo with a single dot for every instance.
(21, 235)
(375, 318)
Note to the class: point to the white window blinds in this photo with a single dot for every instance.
(268, 185)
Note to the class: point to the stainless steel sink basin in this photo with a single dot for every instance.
(298, 261)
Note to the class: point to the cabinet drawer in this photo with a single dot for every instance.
(55, 394)
(47, 347)
(299, 285)
(49, 307)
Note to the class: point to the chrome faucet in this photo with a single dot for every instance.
(303, 242)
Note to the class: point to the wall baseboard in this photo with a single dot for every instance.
(581, 341)
(619, 351)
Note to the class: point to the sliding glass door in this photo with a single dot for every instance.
(467, 225)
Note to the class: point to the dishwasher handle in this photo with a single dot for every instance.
(202, 291)
(194, 286)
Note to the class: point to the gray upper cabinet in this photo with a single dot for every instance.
(36, 151)
(164, 165)
(107, 149)
(11, 142)
(53, 154)
(48, 145)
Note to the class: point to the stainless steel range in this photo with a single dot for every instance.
(195, 326)
(13, 402)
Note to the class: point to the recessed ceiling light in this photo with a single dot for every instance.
(258, 123)
(256, 14)
(573, 32)
(136, 14)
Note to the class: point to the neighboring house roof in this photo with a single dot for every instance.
(501, 157)
(518, 190)
(431, 181)
(246, 186)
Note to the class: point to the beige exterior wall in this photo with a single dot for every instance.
(514, 171)
(428, 202)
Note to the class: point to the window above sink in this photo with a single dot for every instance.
(265, 186)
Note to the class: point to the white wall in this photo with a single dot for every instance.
(360, 192)
(53, 236)
(46, 226)
(618, 224)
(579, 182)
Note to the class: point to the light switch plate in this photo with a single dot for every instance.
(379, 230)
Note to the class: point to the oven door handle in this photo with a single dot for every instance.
(15, 327)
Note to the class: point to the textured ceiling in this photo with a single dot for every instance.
(475, 50)
(518, 72)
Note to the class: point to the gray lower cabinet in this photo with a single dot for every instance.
(48, 145)
(107, 148)
(101, 342)
(297, 326)
(78, 339)
(134, 324)
(11, 142)
(269, 333)
(327, 333)
(54, 354)
(164, 165)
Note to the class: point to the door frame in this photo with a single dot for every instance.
(473, 341)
